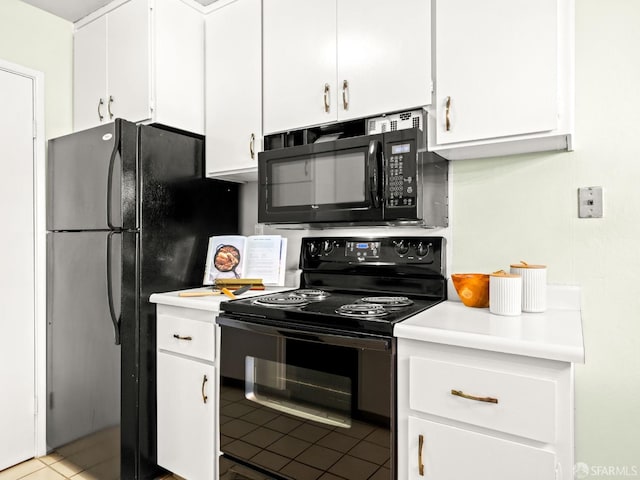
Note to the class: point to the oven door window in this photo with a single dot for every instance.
(321, 180)
(302, 392)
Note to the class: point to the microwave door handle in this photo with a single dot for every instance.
(374, 157)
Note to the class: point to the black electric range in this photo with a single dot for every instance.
(359, 285)
(308, 376)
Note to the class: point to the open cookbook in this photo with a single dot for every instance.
(255, 256)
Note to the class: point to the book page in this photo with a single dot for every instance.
(262, 258)
(225, 258)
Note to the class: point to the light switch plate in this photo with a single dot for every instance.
(590, 202)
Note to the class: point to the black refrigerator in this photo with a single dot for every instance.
(129, 213)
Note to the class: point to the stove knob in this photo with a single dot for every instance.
(327, 247)
(401, 247)
(313, 249)
(423, 249)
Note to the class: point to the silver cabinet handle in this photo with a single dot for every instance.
(252, 142)
(204, 381)
(420, 463)
(461, 394)
(109, 107)
(180, 337)
(447, 120)
(326, 97)
(100, 103)
(345, 94)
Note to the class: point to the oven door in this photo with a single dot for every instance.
(295, 404)
(335, 181)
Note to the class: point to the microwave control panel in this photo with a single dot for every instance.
(401, 190)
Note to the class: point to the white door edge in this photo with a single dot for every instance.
(40, 264)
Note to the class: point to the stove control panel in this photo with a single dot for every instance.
(362, 250)
(339, 253)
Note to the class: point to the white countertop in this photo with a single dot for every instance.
(555, 334)
(211, 302)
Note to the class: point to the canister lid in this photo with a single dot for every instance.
(503, 274)
(524, 264)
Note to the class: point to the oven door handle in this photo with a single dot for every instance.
(354, 340)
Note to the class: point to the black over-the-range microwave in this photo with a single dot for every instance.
(363, 172)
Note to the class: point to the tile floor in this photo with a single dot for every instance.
(57, 467)
(94, 457)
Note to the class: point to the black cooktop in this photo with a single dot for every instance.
(383, 280)
(371, 314)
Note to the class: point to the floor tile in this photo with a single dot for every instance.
(288, 447)
(370, 452)
(22, 469)
(319, 457)
(44, 474)
(262, 437)
(300, 471)
(51, 458)
(66, 467)
(353, 468)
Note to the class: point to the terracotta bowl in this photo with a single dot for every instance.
(472, 288)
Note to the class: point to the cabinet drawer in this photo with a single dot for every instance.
(186, 336)
(512, 403)
(441, 452)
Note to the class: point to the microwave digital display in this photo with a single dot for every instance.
(397, 149)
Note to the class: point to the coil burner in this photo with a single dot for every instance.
(393, 302)
(366, 310)
(281, 300)
(311, 294)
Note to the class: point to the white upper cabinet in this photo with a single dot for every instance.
(234, 90)
(299, 63)
(384, 56)
(332, 60)
(503, 70)
(90, 75)
(142, 61)
(128, 61)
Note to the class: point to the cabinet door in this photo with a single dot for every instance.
(384, 56)
(186, 416)
(441, 452)
(496, 68)
(128, 61)
(234, 86)
(90, 75)
(299, 63)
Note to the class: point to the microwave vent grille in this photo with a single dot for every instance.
(396, 121)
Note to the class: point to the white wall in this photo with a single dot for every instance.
(525, 208)
(36, 39)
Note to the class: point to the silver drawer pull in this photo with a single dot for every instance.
(179, 337)
(460, 393)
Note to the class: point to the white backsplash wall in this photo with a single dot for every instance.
(249, 226)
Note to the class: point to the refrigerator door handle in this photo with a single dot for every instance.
(112, 161)
(112, 310)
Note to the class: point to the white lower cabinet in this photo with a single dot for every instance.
(442, 452)
(187, 392)
(467, 413)
(186, 399)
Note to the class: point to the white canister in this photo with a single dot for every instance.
(505, 294)
(534, 286)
